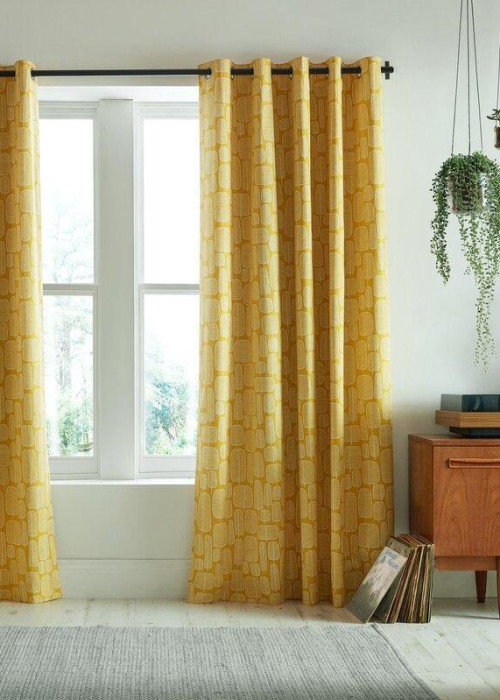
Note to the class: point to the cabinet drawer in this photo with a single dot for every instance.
(467, 501)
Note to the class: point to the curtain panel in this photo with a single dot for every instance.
(28, 566)
(294, 482)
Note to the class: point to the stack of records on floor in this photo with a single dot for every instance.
(398, 587)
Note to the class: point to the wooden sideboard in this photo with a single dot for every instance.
(455, 502)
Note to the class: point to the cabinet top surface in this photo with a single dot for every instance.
(444, 439)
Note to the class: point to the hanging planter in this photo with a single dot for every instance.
(465, 182)
(469, 187)
(495, 115)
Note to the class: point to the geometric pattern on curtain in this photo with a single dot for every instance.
(28, 565)
(294, 482)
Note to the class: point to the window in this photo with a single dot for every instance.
(67, 159)
(169, 273)
(120, 222)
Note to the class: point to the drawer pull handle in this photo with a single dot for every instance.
(473, 463)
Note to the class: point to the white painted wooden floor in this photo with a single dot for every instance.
(457, 654)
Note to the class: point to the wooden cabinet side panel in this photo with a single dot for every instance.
(421, 488)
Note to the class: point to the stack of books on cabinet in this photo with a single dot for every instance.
(398, 587)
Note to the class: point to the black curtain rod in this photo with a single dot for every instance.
(386, 69)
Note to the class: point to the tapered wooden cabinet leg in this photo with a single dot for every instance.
(498, 584)
(481, 580)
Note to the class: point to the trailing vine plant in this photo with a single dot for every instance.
(469, 185)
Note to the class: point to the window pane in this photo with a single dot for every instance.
(69, 389)
(171, 200)
(67, 187)
(171, 373)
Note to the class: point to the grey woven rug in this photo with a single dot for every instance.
(93, 663)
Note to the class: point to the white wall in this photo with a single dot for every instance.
(432, 327)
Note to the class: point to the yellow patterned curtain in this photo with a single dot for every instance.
(294, 477)
(28, 568)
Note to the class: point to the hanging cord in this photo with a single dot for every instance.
(498, 74)
(457, 74)
(468, 73)
(477, 76)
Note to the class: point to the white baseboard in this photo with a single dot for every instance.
(461, 584)
(124, 578)
(167, 578)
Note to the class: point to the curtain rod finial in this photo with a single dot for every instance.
(388, 69)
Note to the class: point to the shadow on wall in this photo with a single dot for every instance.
(408, 419)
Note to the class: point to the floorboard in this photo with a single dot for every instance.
(457, 654)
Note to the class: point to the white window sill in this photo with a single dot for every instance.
(181, 481)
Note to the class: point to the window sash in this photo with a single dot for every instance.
(153, 466)
(150, 466)
(80, 467)
(81, 110)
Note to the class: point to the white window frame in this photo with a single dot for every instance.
(154, 466)
(118, 290)
(64, 467)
